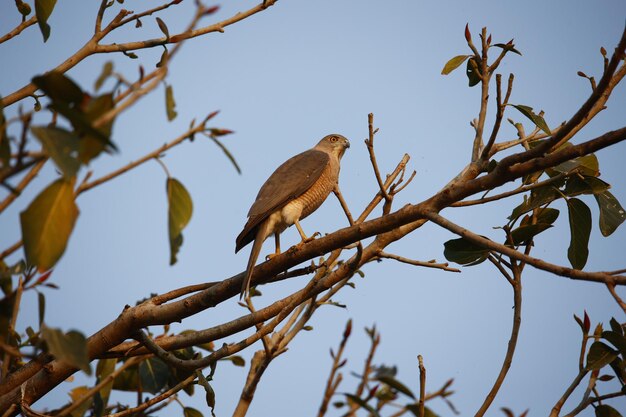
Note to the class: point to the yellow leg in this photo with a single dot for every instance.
(277, 243)
(303, 236)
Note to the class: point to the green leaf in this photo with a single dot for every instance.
(43, 10)
(107, 70)
(59, 88)
(153, 374)
(361, 403)
(599, 355)
(464, 252)
(509, 47)
(586, 165)
(170, 104)
(179, 214)
(227, 153)
(525, 233)
(538, 197)
(612, 213)
(605, 410)
(47, 224)
(414, 409)
(70, 347)
(535, 118)
(473, 72)
(191, 412)
(580, 229)
(396, 385)
(41, 304)
(163, 27)
(95, 140)
(210, 394)
(616, 327)
(236, 360)
(77, 394)
(104, 368)
(453, 64)
(616, 339)
(577, 185)
(61, 146)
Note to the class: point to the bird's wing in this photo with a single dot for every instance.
(289, 181)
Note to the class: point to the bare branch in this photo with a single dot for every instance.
(31, 175)
(370, 149)
(536, 262)
(429, 264)
(334, 379)
(18, 29)
(508, 359)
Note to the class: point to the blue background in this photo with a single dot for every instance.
(282, 79)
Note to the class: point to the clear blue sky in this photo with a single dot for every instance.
(282, 80)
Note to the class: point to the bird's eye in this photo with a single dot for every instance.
(333, 138)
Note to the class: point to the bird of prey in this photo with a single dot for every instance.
(296, 189)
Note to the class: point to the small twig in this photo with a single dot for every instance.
(586, 403)
(616, 296)
(518, 190)
(156, 399)
(91, 392)
(379, 197)
(367, 370)
(334, 379)
(8, 251)
(186, 135)
(6, 362)
(18, 29)
(559, 404)
(344, 205)
(508, 359)
(370, 149)
(171, 295)
(429, 264)
(420, 404)
(265, 340)
(396, 188)
(161, 353)
(503, 271)
(514, 254)
(22, 184)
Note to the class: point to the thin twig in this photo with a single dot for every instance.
(344, 205)
(420, 403)
(156, 399)
(514, 254)
(370, 149)
(334, 379)
(518, 190)
(8, 251)
(91, 392)
(154, 154)
(508, 359)
(6, 362)
(22, 184)
(429, 264)
(616, 296)
(18, 29)
(559, 404)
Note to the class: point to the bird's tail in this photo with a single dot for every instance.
(260, 237)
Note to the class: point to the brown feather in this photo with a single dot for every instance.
(289, 181)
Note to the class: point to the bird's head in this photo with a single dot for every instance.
(334, 143)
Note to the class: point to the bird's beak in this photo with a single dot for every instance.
(347, 143)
